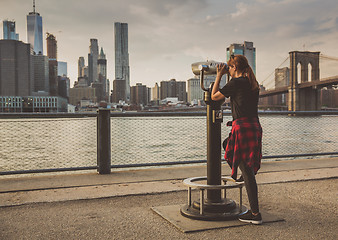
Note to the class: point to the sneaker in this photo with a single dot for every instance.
(250, 218)
(240, 180)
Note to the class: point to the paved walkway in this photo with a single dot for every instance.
(54, 188)
(296, 190)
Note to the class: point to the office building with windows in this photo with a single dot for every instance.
(34, 31)
(81, 91)
(63, 86)
(92, 60)
(282, 78)
(33, 104)
(80, 66)
(118, 90)
(51, 46)
(41, 73)
(155, 93)
(102, 75)
(16, 68)
(195, 92)
(53, 64)
(247, 49)
(9, 31)
(139, 94)
(62, 69)
(122, 59)
(173, 88)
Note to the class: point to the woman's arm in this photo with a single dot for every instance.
(216, 95)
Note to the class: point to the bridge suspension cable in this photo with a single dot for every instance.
(274, 71)
(328, 57)
(268, 81)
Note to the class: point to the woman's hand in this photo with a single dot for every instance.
(216, 95)
(222, 69)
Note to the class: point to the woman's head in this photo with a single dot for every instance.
(240, 64)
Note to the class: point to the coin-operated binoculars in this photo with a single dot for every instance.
(215, 206)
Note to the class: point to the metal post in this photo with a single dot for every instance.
(103, 142)
(201, 201)
(225, 191)
(213, 148)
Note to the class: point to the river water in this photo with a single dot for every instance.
(62, 143)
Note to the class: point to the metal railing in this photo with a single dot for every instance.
(34, 143)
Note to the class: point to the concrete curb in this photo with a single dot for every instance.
(73, 192)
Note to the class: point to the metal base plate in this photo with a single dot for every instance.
(172, 214)
(193, 213)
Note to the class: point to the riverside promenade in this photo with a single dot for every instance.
(301, 193)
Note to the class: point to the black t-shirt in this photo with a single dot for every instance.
(244, 101)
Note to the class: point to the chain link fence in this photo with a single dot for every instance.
(36, 144)
(60, 144)
(183, 139)
(158, 139)
(297, 135)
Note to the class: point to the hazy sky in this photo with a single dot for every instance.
(166, 36)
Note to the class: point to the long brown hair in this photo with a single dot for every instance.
(242, 66)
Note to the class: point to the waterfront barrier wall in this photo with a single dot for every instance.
(68, 142)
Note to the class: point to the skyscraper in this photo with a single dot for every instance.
(53, 64)
(155, 94)
(80, 66)
(282, 79)
(51, 47)
(122, 57)
(118, 90)
(173, 88)
(92, 60)
(62, 69)
(34, 30)
(85, 72)
(247, 49)
(102, 64)
(139, 94)
(63, 86)
(9, 30)
(16, 64)
(195, 92)
(41, 73)
(102, 74)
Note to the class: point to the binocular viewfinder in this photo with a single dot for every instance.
(208, 67)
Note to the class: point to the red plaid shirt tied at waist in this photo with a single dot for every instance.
(244, 144)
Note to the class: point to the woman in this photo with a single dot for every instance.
(244, 145)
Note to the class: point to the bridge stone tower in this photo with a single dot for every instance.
(305, 98)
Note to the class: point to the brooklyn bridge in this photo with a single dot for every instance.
(298, 87)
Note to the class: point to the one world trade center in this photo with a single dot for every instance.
(34, 31)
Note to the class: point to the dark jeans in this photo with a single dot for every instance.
(251, 186)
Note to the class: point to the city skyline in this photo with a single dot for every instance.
(166, 37)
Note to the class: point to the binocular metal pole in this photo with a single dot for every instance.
(214, 207)
(214, 120)
(213, 147)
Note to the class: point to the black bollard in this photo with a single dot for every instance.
(103, 142)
